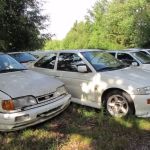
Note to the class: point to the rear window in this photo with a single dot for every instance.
(23, 57)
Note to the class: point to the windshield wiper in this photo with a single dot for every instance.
(11, 70)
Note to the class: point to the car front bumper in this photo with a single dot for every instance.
(23, 119)
(142, 108)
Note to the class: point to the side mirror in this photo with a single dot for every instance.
(134, 64)
(82, 69)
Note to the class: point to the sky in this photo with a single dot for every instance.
(63, 14)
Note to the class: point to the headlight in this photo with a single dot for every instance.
(24, 102)
(143, 91)
(60, 91)
(18, 103)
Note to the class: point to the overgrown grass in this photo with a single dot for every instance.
(81, 128)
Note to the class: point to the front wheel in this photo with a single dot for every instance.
(118, 104)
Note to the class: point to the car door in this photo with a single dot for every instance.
(46, 64)
(75, 81)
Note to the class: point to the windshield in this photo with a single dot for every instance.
(102, 61)
(23, 57)
(143, 58)
(8, 64)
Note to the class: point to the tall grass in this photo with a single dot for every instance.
(80, 128)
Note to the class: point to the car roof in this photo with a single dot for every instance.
(145, 49)
(80, 50)
(39, 51)
(123, 51)
(138, 49)
(71, 50)
(16, 52)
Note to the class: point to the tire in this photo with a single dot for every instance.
(118, 104)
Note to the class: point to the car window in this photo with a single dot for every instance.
(143, 58)
(145, 53)
(102, 61)
(9, 64)
(23, 57)
(126, 58)
(69, 62)
(36, 56)
(113, 54)
(47, 61)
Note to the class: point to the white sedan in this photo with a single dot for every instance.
(24, 58)
(132, 57)
(95, 78)
(27, 97)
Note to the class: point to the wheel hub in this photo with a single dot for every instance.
(117, 106)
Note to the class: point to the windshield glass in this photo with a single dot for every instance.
(8, 64)
(143, 58)
(23, 57)
(102, 61)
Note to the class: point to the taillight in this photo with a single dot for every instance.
(8, 105)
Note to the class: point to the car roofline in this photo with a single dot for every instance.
(71, 50)
(123, 51)
(16, 52)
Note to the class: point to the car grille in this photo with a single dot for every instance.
(46, 97)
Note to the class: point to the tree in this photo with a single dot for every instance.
(20, 25)
(97, 18)
(112, 24)
(78, 36)
(121, 23)
(53, 45)
(128, 22)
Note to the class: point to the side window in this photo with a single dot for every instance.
(113, 54)
(47, 61)
(145, 53)
(69, 62)
(125, 58)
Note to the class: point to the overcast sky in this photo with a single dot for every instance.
(63, 14)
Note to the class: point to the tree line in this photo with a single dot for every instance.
(114, 24)
(109, 24)
(21, 24)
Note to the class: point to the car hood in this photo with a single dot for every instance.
(27, 82)
(131, 75)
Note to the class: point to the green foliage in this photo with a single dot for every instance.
(53, 45)
(20, 25)
(128, 23)
(115, 24)
(78, 36)
(81, 128)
